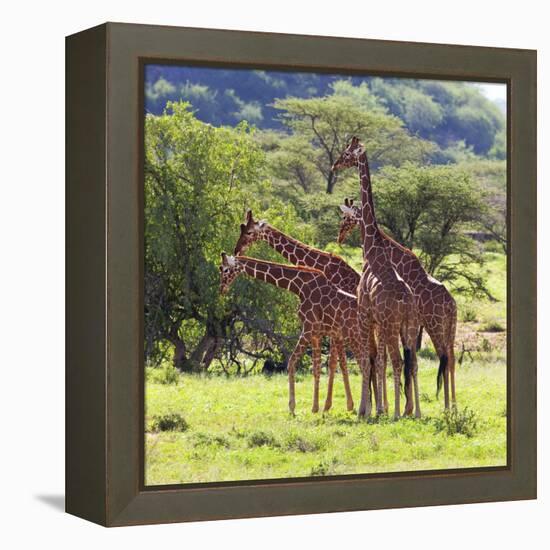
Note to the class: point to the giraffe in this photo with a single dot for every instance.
(383, 296)
(436, 307)
(336, 270)
(324, 310)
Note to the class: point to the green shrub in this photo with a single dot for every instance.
(165, 374)
(492, 326)
(261, 439)
(299, 443)
(323, 467)
(468, 315)
(171, 422)
(455, 421)
(208, 439)
(426, 352)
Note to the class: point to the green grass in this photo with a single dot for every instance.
(239, 428)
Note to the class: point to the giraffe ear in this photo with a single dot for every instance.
(231, 261)
(249, 218)
(243, 227)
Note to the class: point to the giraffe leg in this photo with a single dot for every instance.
(451, 352)
(316, 348)
(296, 355)
(452, 374)
(380, 370)
(333, 358)
(393, 348)
(417, 412)
(345, 375)
(385, 383)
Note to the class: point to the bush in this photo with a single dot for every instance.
(208, 439)
(165, 374)
(171, 422)
(469, 315)
(492, 326)
(261, 439)
(426, 352)
(323, 468)
(301, 444)
(454, 421)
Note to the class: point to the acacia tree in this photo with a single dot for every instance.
(327, 123)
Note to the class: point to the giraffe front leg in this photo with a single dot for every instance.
(316, 348)
(380, 368)
(333, 357)
(452, 374)
(345, 376)
(397, 365)
(296, 355)
(414, 367)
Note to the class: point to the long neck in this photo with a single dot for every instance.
(290, 278)
(373, 244)
(294, 251)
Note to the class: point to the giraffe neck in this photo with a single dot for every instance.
(374, 249)
(293, 250)
(290, 278)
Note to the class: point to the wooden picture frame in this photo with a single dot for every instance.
(104, 365)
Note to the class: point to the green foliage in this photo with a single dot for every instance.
(171, 422)
(166, 373)
(199, 180)
(492, 326)
(260, 438)
(454, 421)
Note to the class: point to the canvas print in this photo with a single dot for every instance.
(325, 278)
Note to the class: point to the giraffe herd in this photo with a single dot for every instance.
(369, 314)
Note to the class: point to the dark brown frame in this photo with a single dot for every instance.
(104, 366)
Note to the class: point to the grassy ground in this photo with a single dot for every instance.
(213, 428)
(239, 428)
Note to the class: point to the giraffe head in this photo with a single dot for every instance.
(251, 231)
(351, 216)
(229, 269)
(350, 155)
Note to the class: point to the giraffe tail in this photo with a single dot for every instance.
(408, 367)
(443, 360)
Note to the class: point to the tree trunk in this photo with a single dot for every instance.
(180, 353)
(331, 180)
(196, 359)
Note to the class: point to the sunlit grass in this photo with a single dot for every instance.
(239, 428)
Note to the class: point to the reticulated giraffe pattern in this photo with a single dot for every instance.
(336, 270)
(383, 297)
(436, 307)
(324, 310)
